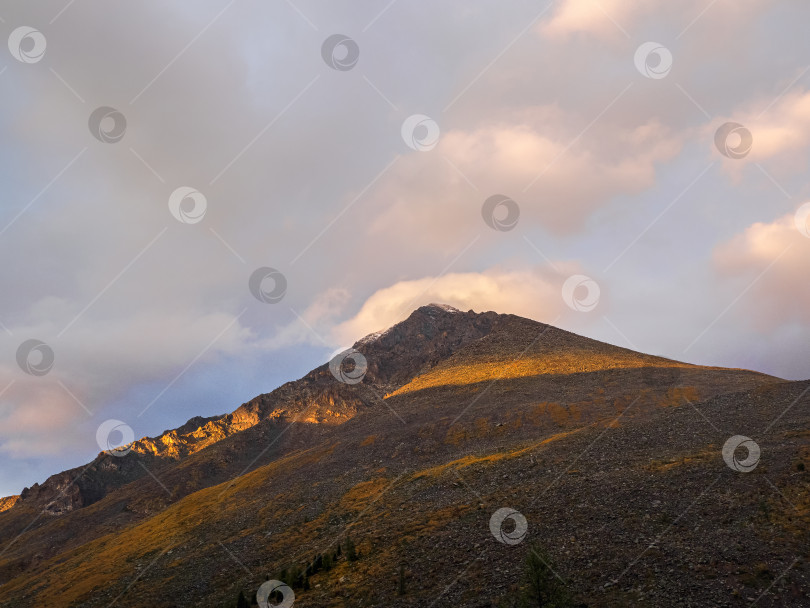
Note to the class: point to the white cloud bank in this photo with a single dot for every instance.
(533, 293)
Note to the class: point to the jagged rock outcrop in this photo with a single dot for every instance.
(8, 502)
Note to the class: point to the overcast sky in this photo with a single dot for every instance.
(240, 136)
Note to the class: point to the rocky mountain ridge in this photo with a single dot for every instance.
(315, 398)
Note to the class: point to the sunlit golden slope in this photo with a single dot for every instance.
(456, 374)
(522, 348)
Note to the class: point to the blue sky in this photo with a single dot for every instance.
(304, 168)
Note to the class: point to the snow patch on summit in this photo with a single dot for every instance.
(373, 337)
(444, 307)
(430, 309)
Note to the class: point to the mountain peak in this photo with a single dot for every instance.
(431, 310)
(430, 333)
(433, 306)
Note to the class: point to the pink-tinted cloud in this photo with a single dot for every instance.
(537, 157)
(772, 260)
(534, 293)
(780, 133)
(614, 18)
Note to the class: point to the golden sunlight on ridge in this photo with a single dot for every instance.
(457, 374)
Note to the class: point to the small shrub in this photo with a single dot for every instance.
(541, 587)
(351, 551)
(401, 586)
(241, 601)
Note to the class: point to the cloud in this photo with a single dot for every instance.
(96, 363)
(602, 17)
(780, 129)
(312, 325)
(770, 259)
(613, 18)
(536, 157)
(37, 418)
(533, 293)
